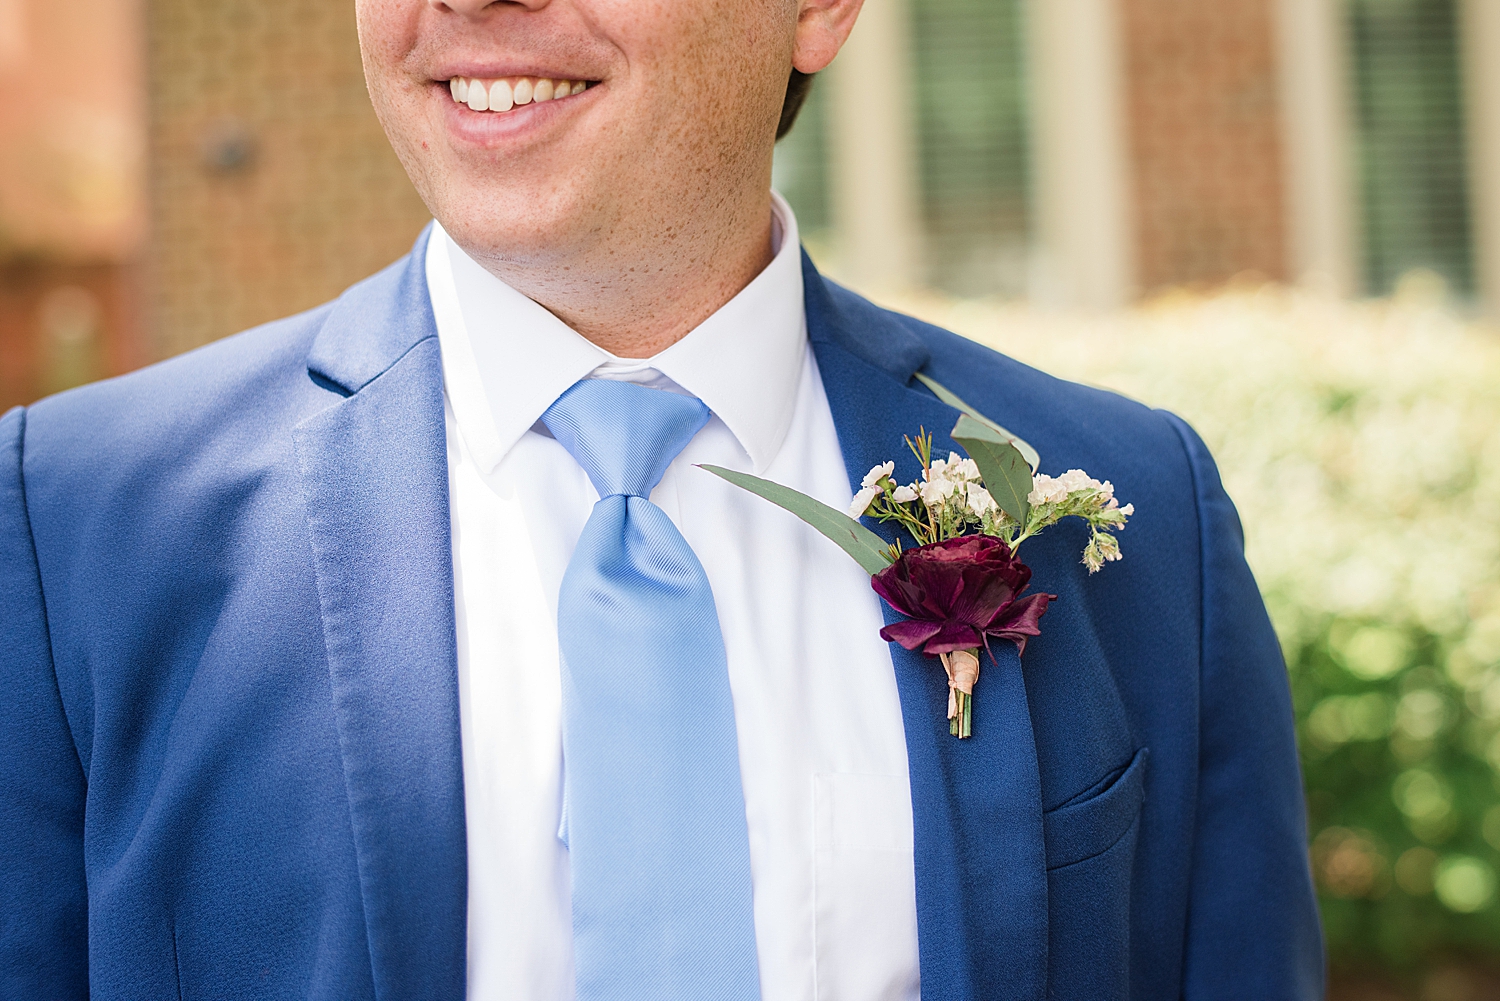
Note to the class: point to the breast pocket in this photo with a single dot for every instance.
(866, 898)
(1090, 853)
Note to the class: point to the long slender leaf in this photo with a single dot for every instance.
(949, 397)
(1007, 475)
(868, 549)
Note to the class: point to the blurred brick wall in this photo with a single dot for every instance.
(63, 324)
(72, 205)
(272, 185)
(1205, 143)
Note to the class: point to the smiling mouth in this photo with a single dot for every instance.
(508, 93)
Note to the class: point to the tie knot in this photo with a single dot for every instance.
(624, 435)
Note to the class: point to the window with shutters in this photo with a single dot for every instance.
(969, 106)
(969, 64)
(1409, 136)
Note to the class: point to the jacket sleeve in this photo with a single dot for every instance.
(1253, 928)
(43, 897)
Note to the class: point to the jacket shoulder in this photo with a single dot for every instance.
(223, 374)
(229, 405)
(1066, 417)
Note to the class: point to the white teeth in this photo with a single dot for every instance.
(501, 98)
(502, 95)
(479, 97)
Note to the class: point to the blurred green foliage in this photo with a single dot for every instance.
(1400, 756)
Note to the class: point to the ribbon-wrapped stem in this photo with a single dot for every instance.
(963, 670)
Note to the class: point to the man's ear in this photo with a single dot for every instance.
(822, 28)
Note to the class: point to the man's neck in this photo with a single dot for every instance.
(636, 303)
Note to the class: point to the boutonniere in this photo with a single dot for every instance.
(961, 584)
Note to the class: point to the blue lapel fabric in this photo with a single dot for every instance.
(375, 479)
(977, 803)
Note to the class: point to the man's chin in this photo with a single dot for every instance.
(523, 238)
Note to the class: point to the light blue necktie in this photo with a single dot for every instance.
(655, 815)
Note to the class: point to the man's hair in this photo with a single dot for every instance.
(797, 87)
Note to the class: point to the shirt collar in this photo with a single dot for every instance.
(506, 358)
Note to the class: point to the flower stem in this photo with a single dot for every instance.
(962, 667)
(962, 725)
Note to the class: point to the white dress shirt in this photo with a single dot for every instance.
(821, 744)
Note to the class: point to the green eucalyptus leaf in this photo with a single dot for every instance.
(1007, 475)
(868, 549)
(947, 396)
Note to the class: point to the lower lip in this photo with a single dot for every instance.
(489, 128)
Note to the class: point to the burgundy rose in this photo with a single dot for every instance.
(957, 593)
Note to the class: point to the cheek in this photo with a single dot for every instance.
(689, 40)
(388, 32)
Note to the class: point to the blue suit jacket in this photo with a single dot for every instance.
(229, 730)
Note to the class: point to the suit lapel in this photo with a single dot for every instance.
(375, 479)
(976, 804)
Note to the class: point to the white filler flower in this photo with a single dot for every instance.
(883, 471)
(862, 501)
